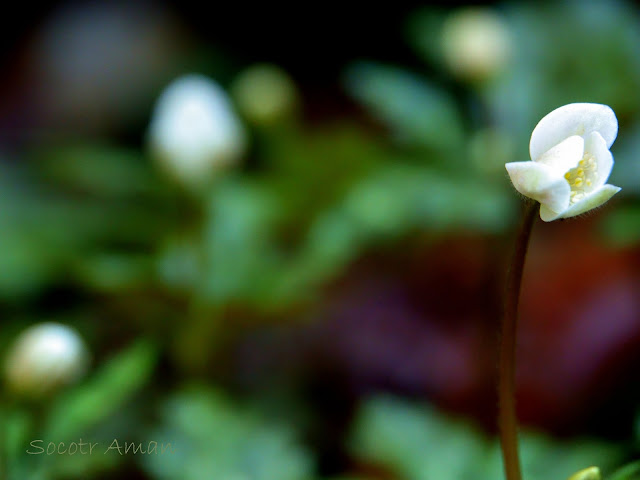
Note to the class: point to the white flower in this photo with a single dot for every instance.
(43, 358)
(571, 161)
(194, 130)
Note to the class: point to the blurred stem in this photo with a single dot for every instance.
(507, 419)
(200, 337)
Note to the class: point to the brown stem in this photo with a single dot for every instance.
(507, 419)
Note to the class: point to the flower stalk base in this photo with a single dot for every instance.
(507, 419)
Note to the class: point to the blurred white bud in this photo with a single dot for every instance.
(265, 94)
(194, 131)
(475, 43)
(43, 358)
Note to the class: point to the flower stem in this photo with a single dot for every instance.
(507, 419)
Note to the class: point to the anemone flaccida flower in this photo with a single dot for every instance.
(570, 161)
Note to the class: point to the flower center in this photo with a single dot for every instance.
(582, 178)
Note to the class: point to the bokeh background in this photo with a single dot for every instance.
(327, 306)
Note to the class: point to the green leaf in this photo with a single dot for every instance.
(240, 257)
(105, 393)
(630, 471)
(416, 442)
(394, 199)
(416, 111)
(97, 169)
(113, 272)
(214, 437)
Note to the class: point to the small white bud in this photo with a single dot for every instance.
(43, 358)
(265, 94)
(475, 43)
(194, 131)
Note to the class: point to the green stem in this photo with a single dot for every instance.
(507, 419)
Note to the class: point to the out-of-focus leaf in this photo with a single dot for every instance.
(16, 425)
(544, 457)
(81, 466)
(45, 234)
(416, 442)
(113, 272)
(398, 198)
(416, 111)
(99, 170)
(27, 256)
(75, 414)
(214, 438)
(332, 241)
(239, 252)
(25, 264)
(103, 394)
(628, 472)
(589, 473)
(310, 170)
(178, 264)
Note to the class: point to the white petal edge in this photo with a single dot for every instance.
(591, 201)
(564, 156)
(540, 182)
(548, 215)
(573, 119)
(596, 146)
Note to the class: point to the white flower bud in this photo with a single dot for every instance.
(475, 43)
(265, 94)
(43, 358)
(194, 131)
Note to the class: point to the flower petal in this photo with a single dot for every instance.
(573, 119)
(548, 215)
(591, 201)
(565, 155)
(540, 182)
(597, 147)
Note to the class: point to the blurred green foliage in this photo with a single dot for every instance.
(212, 434)
(417, 442)
(96, 410)
(628, 472)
